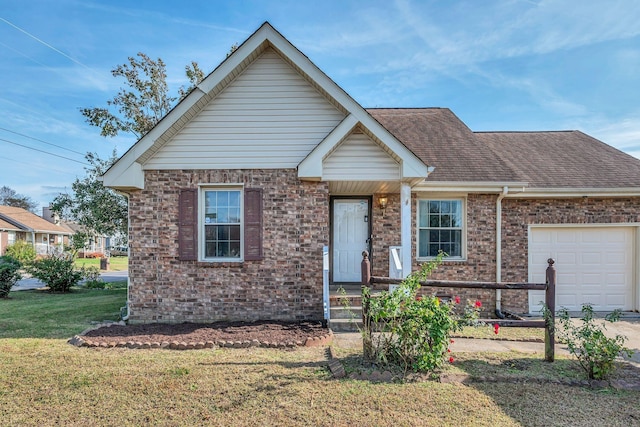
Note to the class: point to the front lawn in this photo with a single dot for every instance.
(45, 381)
(119, 263)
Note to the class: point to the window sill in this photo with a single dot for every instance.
(444, 261)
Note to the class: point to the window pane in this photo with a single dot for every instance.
(424, 214)
(234, 198)
(210, 232)
(424, 243)
(210, 250)
(445, 221)
(434, 206)
(433, 249)
(234, 249)
(434, 236)
(434, 221)
(223, 249)
(234, 232)
(223, 232)
(445, 206)
(234, 215)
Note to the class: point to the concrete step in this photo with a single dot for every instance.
(345, 325)
(351, 312)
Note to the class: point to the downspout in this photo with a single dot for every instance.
(505, 191)
(124, 311)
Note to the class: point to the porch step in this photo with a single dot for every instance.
(350, 312)
(345, 303)
(345, 325)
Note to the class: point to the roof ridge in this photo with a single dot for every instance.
(526, 131)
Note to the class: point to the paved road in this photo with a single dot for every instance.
(31, 283)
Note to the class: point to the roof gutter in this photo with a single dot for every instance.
(576, 192)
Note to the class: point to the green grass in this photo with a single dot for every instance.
(115, 263)
(44, 381)
(505, 333)
(40, 314)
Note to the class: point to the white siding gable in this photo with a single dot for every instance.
(269, 117)
(359, 158)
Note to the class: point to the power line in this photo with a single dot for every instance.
(42, 151)
(46, 44)
(39, 140)
(67, 172)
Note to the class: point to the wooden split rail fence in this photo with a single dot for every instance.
(549, 287)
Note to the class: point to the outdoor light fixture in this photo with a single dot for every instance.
(382, 202)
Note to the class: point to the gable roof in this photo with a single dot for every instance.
(28, 221)
(127, 172)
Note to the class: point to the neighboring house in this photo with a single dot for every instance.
(9, 233)
(235, 193)
(95, 243)
(28, 226)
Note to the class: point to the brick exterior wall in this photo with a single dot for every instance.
(285, 285)
(518, 214)
(480, 263)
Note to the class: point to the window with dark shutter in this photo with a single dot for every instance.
(253, 224)
(188, 225)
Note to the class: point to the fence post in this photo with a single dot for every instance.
(365, 270)
(550, 312)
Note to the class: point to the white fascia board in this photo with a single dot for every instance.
(575, 192)
(311, 166)
(470, 187)
(129, 178)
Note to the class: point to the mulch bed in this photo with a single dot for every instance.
(198, 335)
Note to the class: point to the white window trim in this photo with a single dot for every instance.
(202, 188)
(463, 243)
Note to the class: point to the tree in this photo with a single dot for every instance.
(143, 101)
(9, 197)
(98, 208)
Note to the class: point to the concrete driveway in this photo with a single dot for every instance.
(31, 283)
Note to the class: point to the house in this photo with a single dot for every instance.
(95, 244)
(235, 194)
(20, 224)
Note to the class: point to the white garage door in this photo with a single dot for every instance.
(594, 265)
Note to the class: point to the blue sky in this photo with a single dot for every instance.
(499, 65)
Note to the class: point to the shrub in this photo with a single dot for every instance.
(92, 277)
(594, 351)
(22, 251)
(9, 274)
(413, 330)
(57, 271)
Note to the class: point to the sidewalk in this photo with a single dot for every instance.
(466, 345)
(31, 283)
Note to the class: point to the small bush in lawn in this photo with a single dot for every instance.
(57, 271)
(92, 277)
(22, 251)
(594, 351)
(9, 274)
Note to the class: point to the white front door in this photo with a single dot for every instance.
(350, 235)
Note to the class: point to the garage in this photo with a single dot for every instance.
(595, 264)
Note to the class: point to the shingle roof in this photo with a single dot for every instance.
(563, 159)
(556, 159)
(30, 220)
(4, 225)
(439, 138)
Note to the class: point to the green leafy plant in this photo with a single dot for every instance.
(9, 274)
(92, 277)
(413, 331)
(22, 251)
(57, 271)
(594, 351)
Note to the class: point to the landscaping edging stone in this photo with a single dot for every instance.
(79, 341)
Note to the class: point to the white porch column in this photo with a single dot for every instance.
(405, 228)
